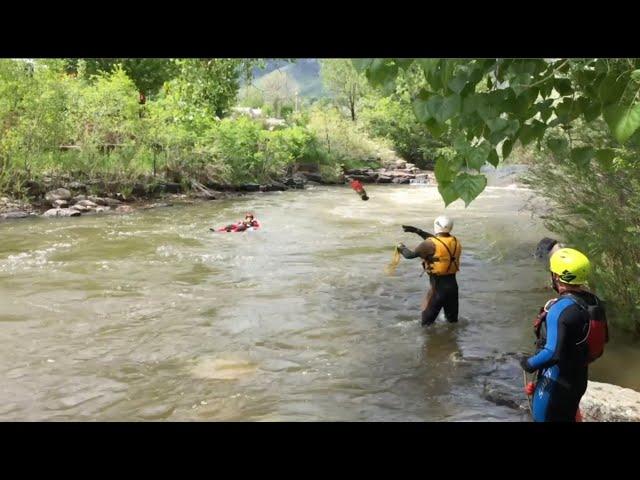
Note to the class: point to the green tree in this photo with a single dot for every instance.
(345, 83)
(148, 74)
(489, 104)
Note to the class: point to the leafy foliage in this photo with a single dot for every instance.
(493, 103)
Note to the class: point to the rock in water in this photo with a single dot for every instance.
(124, 209)
(61, 212)
(603, 402)
(18, 214)
(86, 203)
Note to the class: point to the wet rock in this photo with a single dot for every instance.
(102, 209)
(157, 412)
(78, 198)
(603, 402)
(60, 203)
(106, 201)
(61, 212)
(250, 187)
(77, 186)
(80, 208)
(383, 179)
(16, 214)
(276, 187)
(87, 203)
(313, 177)
(124, 209)
(58, 194)
(34, 188)
(401, 180)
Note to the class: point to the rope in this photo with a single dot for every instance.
(390, 269)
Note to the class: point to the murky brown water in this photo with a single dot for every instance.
(151, 316)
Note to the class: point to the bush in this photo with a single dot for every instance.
(594, 206)
(393, 119)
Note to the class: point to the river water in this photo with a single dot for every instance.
(151, 316)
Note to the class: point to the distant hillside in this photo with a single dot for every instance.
(305, 72)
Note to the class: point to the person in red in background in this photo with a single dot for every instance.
(357, 186)
(249, 222)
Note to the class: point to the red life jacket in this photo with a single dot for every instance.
(598, 332)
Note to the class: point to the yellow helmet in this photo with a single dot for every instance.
(571, 266)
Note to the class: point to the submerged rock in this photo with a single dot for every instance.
(124, 209)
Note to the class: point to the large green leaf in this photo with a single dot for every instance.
(507, 146)
(382, 72)
(563, 86)
(477, 156)
(605, 156)
(623, 121)
(493, 158)
(635, 76)
(443, 172)
(420, 106)
(428, 64)
(442, 109)
(469, 186)
(448, 193)
(559, 146)
(612, 87)
(581, 156)
(458, 82)
(435, 129)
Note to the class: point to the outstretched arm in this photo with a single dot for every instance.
(417, 231)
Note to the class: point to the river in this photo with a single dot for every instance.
(150, 316)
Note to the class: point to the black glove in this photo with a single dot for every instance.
(409, 228)
(525, 365)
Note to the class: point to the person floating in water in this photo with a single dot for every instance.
(440, 255)
(357, 186)
(571, 332)
(249, 223)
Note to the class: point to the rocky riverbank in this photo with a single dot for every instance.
(64, 197)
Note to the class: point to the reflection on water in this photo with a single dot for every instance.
(151, 316)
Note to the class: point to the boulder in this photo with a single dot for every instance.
(58, 194)
(276, 187)
(401, 180)
(87, 203)
(78, 198)
(77, 186)
(249, 187)
(102, 209)
(61, 212)
(80, 208)
(15, 214)
(383, 179)
(603, 402)
(60, 203)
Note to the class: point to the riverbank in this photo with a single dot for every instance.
(66, 197)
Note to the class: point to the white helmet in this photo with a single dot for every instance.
(442, 224)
